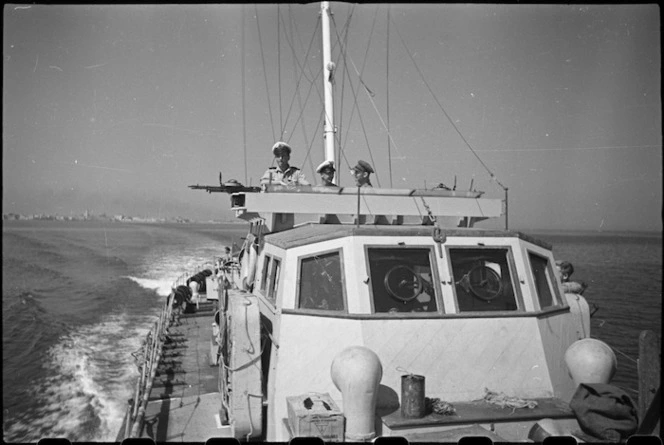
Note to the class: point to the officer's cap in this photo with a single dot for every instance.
(363, 166)
(325, 165)
(279, 147)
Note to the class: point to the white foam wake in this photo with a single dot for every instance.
(161, 286)
(92, 374)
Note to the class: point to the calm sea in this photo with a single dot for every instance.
(79, 297)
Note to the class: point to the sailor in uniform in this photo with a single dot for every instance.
(326, 171)
(361, 174)
(283, 173)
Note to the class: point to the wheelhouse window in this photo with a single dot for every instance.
(542, 274)
(401, 280)
(266, 271)
(270, 277)
(482, 279)
(321, 285)
(274, 280)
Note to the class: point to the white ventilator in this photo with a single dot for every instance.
(356, 372)
(590, 361)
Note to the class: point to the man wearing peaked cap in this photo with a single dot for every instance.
(283, 173)
(326, 171)
(281, 146)
(361, 174)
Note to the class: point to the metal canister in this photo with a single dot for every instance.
(412, 396)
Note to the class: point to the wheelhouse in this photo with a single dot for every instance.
(421, 287)
(399, 271)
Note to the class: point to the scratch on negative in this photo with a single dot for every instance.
(95, 66)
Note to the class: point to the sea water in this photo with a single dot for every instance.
(79, 297)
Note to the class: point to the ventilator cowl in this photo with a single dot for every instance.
(356, 372)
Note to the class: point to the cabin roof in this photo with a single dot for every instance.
(311, 233)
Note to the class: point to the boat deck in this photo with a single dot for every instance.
(184, 401)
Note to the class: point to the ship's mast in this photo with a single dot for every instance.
(328, 69)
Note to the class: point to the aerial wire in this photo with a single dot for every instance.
(297, 95)
(267, 89)
(491, 174)
(281, 122)
(244, 119)
(387, 92)
(343, 52)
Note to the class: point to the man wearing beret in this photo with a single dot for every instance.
(361, 174)
(283, 173)
(326, 171)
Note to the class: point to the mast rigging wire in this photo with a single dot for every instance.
(493, 176)
(281, 122)
(387, 92)
(343, 54)
(366, 53)
(297, 85)
(267, 89)
(301, 67)
(244, 119)
(351, 10)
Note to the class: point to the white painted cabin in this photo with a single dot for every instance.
(471, 309)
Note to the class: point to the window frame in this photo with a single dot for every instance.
(514, 277)
(267, 290)
(265, 274)
(275, 272)
(344, 290)
(554, 288)
(435, 278)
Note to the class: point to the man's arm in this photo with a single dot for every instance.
(268, 176)
(301, 180)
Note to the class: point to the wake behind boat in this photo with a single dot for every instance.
(352, 313)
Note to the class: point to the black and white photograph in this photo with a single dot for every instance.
(345, 221)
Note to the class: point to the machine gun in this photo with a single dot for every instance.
(230, 186)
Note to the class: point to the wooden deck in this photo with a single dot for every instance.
(184, 402)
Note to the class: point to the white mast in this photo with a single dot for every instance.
(328, 69)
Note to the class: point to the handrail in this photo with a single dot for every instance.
(151, 355)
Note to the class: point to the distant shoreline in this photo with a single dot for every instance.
(535, 232)
(596, 233)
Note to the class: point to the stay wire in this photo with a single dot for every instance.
(387, 92)
(364, 131)
(298, 65)
(320, 120)
(267, 89)
(244, 116)
(313, 82)
(339, 134)
(281, 121)
(297, 85)
(493, 176)
(366, 54)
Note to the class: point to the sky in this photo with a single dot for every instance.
(117, 109)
